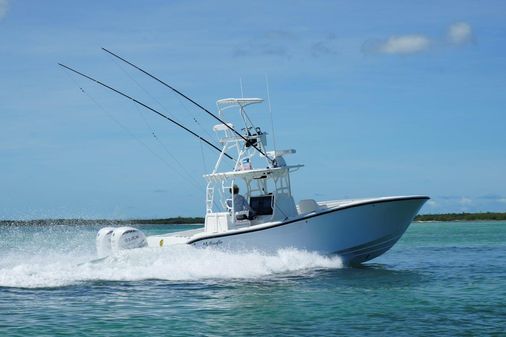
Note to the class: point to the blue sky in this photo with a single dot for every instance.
(378, 98)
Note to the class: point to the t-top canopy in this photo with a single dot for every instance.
(226, 103)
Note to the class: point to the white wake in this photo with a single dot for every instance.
(183, 263)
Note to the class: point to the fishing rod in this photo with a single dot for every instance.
(273, 161)
(147, 107)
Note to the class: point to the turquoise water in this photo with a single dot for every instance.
(444, 279)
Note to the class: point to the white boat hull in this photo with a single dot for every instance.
(357, 231)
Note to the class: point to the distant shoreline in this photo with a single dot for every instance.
(487, 216)
(110, 222)
(490, 216)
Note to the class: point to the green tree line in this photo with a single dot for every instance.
(106, 222)
(461, 216)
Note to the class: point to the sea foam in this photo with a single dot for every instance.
(179, 263)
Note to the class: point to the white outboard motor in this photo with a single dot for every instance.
(127, 238)
(103, 241)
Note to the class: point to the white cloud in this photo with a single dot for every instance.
(406, 44)
(4, 4)
(459, 33)
(465, 201)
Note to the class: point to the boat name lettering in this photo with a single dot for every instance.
(212, 243)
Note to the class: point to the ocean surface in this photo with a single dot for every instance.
(444, 279)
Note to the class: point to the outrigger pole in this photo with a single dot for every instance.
(192, 101)
(147, 107)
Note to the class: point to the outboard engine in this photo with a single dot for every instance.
(103, 241)
(110, 239)
(127, 238)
